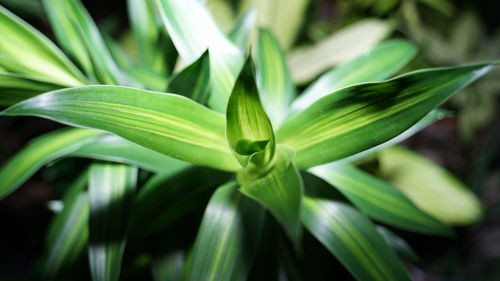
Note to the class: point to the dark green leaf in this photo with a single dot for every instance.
(193, 81)
(353, 239)
(168, 267)
(398, 244)
(17, 87)
(111, 193)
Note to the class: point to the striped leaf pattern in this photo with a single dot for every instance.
(337, 125)
(227, 239)
(111, 194)
(379, 199)
(167, 123)
(17, 87)
(353, 240)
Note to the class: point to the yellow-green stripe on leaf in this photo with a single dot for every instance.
(167, 123)
(359, 117)
(353, 240)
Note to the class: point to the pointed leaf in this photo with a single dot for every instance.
(38, 153)
(68, 231)
(111, 193)
(193, 81)
(17, 87)
(249, 130)
(242, 29)
(116, 149)
(398, 244)
(379, 199)
(228, 237)
(429, 186)
(167, 123)
(79, 36)
(29, 52)
(353, 240)
(273, 77)
(342, 46)
(193, 30)
(378, 64)
(359, 117)
(280, 191)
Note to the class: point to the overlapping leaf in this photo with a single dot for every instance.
(25, 50)
(17, 87)
(193, 30)
(342, 46)
(242, 29)
(111, 194)
(39, 152)
(353, 240)
(276, 88)
(379, 199)
(359, 117)
(378, 64)
(228, 237)
(167, 123)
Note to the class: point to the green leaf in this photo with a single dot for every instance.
(228, 237)
(116, 149)
(342, 46)
(168, 267)
(167, 123)
(249, 130)
(38, 153)
(429, 186)
(378, 64)
(242, 29)
(68, 231)
(379, 199)
(17, 87)
(398, 244)
(353, 239)
(431, 117)
(25, 50)
(111, 193)
(193, 30)
(168, 197)
(276, 88)
(193, 81)
(283, 17)
(80, 37)
(359, 117)
(280, 191)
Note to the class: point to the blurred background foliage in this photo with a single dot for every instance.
(446, 32)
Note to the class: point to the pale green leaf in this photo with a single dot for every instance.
(342, 46)
(359, 117)
(38, 153)
(242, 29)
(167, 123)
(429, 186)
(227, 239)
(25, 50)
(193, 30)
(353, 240)
(379, 199)
(282, 17)
(276, 87)
(111, 194)
(378, 64)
